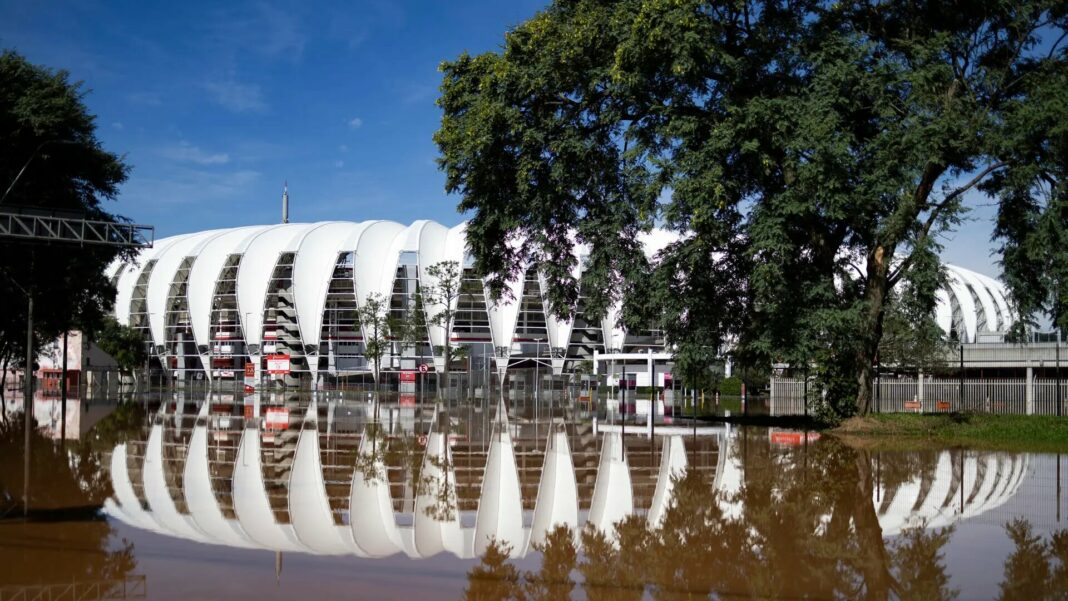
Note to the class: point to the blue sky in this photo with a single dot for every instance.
(216, 104)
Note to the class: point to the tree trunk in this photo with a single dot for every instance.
(447, 351)
(873, 561)
(875, 298)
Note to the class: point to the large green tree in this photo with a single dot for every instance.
(809, 155)
(51, 161)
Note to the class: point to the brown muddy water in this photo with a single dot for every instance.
(290, 497)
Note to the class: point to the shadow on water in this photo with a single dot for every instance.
(63, 544)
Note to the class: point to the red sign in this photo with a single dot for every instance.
(250, 370)
(277, 418)
(942, 405)
(424, 368)
(793, 438)
(407, 400)
(278, 364)
(407, 376)
(913, 405)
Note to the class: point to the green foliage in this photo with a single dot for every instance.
(808, 155)
(47, 133)
(1034, 433)
(374, 319)
(731, 386)
(123, 343)
(494, 579)
(441, 297)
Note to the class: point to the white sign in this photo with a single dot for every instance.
(278, 364)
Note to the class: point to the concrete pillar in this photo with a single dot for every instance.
(1030, 391)
(771, 396)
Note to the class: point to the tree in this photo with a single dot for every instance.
(441, 297)
(809, 154)
(374, 318)
(123, 343)
(51, 160)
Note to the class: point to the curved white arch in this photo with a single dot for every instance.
(613, 496)
(253, 277)
(374, 526)
(128, 280)
(985, 300)
(124, 286)
(436, 523)
(159, 283)
(204, 275)
(672, 466)
(124, 492)
(313, 267)
(500, 503)
(557, 502)
(1000, 295)
(966, 303)
(160, 503)
(309, 506)
(943, 311)
(199, 497)
(251, 504)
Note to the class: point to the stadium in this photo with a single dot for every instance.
(216, 303)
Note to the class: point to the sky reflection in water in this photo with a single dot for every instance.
(468, 504)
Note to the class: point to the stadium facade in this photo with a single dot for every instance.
(213, 302)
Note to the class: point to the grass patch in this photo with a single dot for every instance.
(1004, 432)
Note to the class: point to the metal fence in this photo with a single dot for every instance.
(928, 394)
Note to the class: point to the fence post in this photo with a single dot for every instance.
(919, 389)
(960, 397)
(771, 398)
(1058, 372)
(1029, 392)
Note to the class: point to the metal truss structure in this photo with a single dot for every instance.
(50, 228)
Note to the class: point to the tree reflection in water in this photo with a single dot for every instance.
(806, 528)
(1037, 570)
(66, 538)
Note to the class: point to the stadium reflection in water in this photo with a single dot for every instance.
(711, 510)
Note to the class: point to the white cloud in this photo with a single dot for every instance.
(118, 125)
(355, 123)
(186, 152)
(237, 97)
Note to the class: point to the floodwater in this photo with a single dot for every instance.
(295, 497)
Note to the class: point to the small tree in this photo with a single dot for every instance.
(441, 297)
(123, 343)
(410, 330)
(374, 319)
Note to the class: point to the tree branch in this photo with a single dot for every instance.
(936, 211)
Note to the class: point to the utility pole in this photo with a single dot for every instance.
(27, 405)
(1057, 370)
(960, 395)
(63, 395)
